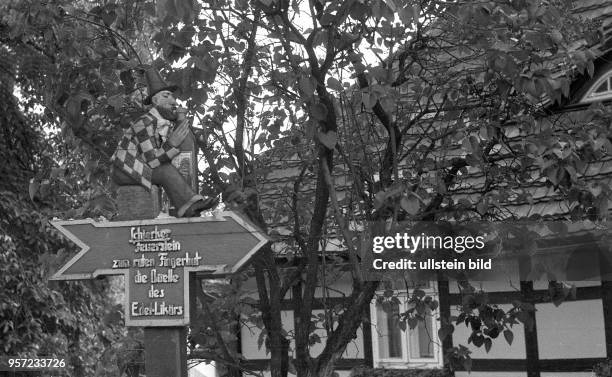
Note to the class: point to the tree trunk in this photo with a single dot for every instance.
(348, 323)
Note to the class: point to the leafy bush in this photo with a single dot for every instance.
(603, 369)
(383, 372)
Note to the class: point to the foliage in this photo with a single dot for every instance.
(221, 307)
(382, 372)
(74, 322)
(51, 319)
(603, 369)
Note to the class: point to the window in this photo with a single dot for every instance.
(601, 90)
(395, 348)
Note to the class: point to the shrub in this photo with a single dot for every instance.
(383, 372)
(603, 369)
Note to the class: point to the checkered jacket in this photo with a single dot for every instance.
(142, 148)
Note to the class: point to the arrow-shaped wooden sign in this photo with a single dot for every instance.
(156, 256)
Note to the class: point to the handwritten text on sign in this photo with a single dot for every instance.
(158, 272)
(156, 256)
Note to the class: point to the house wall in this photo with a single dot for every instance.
(358, 351)
(566, 340)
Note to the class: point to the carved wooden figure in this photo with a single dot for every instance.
(146, 152)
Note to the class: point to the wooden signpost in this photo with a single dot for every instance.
(156, 257)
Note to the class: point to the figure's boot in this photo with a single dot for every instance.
(199, 206)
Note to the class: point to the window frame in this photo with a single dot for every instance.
(406, 361)
(592, 96)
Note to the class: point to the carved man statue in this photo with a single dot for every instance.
(144, 154)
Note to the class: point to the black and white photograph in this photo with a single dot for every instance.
(305, 188)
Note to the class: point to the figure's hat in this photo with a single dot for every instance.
(156, 84)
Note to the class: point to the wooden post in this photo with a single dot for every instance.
(531, 334)
(606, 296)
(445, 313)
(165, 351)
(136, 203)
(606, 299)
(165, 347)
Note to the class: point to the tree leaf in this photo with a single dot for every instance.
(165, 8)
(467, 364)
(306, 86)
(291, 368)
(58, 172)
(329, 139)
(359, 10)
(33, 188)
(391, 4)
(185, 9)
(334, 83)
(402, 325)
(410, 204)
(368, 100)
(318, 111)
(386, 11)
(488, 343)
(73, 108)
(475, 144)
(379, 199)
(553, 175)
(478, 340)
(509, 336)
(44, 189)
(116, 102)
(446, 330)
(314, 339)
(108, 17)
(482, 207)
(406, 15)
